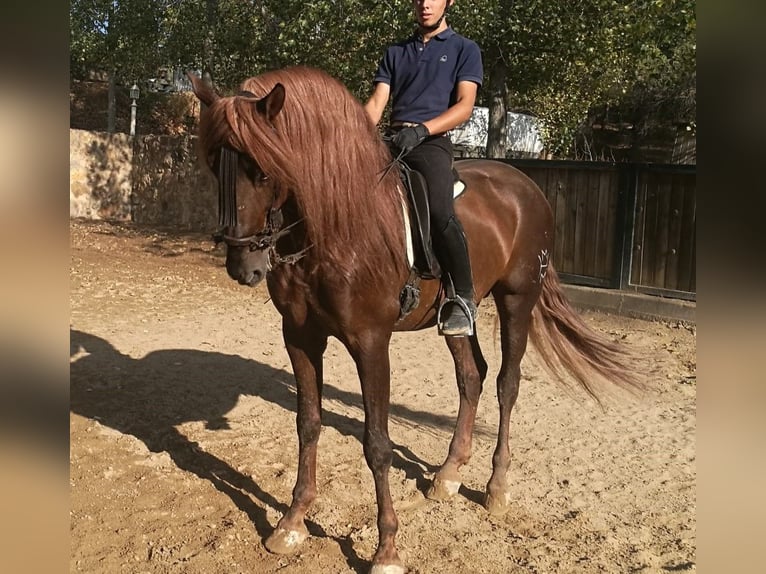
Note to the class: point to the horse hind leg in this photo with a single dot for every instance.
(470, 370)
(515, 313)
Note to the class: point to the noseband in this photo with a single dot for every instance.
(267, 238)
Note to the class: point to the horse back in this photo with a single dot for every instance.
(507, 219)
(497, 185)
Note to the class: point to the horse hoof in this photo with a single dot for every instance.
(443, 489)
(387, 569)
(498, 505)
(284, 541)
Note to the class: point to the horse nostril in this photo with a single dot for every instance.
(257, 277)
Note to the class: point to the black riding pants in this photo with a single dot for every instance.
(433, 159)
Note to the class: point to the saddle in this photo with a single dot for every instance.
(422, 259)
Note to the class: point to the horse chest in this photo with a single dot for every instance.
(298, 299)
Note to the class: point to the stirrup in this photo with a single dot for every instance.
(460, 324)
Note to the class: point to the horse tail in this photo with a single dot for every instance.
(567, 346)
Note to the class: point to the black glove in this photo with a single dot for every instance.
(408, 138)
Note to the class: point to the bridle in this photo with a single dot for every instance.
(263, 240)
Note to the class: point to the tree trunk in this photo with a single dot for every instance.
(497, 129)
(111, 41)
(211, 15)
(111, 104)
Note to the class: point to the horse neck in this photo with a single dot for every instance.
(371, 258)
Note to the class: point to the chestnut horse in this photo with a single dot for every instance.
(307, 203)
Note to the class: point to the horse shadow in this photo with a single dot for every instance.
(140, 397)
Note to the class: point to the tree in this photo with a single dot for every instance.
(555, 59)
(118, 37)
(343, 37)
(662, 52)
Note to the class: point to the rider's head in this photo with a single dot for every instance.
(430, 13)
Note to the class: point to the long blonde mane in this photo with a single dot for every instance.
(323, 147)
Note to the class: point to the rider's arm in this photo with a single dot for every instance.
(458, 112)
(377, 102)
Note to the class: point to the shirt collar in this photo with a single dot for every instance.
(443, 35)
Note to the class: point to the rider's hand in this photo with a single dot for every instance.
(408, 138)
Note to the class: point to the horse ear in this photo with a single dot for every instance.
(202, 90)
(272, 104)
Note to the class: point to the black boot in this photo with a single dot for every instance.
(457, 313)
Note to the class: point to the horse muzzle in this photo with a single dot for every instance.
(245, 266)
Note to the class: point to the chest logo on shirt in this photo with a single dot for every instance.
(443, 58)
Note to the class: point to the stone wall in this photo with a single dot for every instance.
(100, 167)
(169, 188)
(152, 180)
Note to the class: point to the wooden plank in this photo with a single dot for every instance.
(650, 230)
(674, 231)
(605, 257)
(607, 218)
(546, 180)
(693, 276)
(560, 251)
(627, 208)
(687, 253)
(637, 266)
(591, 246)
(664, 188)
(599, 204)
(578, 192)
(573, 205)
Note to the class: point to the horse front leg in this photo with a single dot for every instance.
(470, 371)
(373, 366)
(305, 348)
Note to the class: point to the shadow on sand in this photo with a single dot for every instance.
(140, 397)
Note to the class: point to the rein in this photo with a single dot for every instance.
(269, 236)
(395, 160)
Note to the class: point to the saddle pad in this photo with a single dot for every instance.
(457, 189)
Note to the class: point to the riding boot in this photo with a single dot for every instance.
(457, 314)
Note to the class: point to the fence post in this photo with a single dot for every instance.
(626, 214)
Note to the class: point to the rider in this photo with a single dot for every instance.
(433, 77)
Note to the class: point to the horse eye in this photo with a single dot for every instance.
(253, 171)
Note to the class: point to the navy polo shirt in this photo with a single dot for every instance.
(424, 77)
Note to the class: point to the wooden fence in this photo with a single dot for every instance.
(618, 225)
(621, 225)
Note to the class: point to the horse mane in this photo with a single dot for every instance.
(323, 147)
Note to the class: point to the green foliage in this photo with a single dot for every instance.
(563, 58)
(119, 37)
(346, 38)
(662, 52)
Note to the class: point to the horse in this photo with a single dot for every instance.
(308, 201)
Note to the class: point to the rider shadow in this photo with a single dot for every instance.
(141, 397)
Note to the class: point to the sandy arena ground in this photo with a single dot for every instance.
(183, 446)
